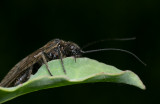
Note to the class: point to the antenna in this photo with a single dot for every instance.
(115, 49)
(111, 39)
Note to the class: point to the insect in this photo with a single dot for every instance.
(54, 49)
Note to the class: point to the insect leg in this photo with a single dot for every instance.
(24, 77)
(44, 58)
(75, 58)
(60, 56)
(45, 62)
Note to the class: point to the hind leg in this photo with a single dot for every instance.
(24, 77)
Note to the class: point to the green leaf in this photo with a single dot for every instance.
(84, 70)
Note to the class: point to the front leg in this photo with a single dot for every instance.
(44, 59)
(60, 56)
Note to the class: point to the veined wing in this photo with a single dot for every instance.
(18, 69)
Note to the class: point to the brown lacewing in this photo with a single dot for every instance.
(55, 49)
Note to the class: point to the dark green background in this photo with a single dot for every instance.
(26, 25)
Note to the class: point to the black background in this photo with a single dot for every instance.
(26, 25)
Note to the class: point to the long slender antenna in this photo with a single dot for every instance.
(110, 39)
(115, 49)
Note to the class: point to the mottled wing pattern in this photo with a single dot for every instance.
(27, 62)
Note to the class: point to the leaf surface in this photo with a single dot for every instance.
(84, 70)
